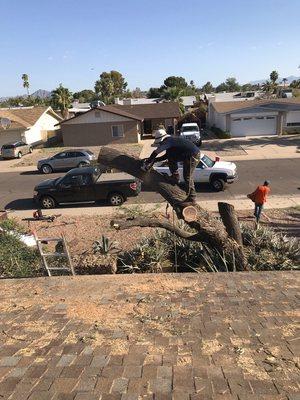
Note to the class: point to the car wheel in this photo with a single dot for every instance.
(116, 199)
(46, 169)
(47, 202)
(218, 185)
(30, 149)
(19, 154)
(82, 164)
(199, 143)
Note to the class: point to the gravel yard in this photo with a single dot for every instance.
(81, 232)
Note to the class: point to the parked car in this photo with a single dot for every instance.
(86, 185)
(15, 149)
(65, 161)
(216, 173)
(191, 132)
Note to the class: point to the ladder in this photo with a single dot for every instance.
(60, 243)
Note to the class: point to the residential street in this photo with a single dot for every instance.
(17, 187)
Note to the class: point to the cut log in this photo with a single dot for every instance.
(207, 228)
(230, 221)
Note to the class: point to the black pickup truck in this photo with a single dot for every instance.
(82, 185)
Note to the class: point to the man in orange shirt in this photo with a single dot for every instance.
(259, 197)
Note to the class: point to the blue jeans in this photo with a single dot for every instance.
(257, 211)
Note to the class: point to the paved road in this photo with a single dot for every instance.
(16, 189)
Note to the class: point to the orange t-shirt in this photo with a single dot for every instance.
(260, 194)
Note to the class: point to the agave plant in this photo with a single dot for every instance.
(105, 246)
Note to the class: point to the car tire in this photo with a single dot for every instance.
(115, 199)
(217, 184)
(30, 149)
(47, 202)
(82, 164)
(20, 154)
(199, 143)
(46, 169)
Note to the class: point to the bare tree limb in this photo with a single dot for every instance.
(208, 229)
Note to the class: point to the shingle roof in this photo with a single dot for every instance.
(224, 107)
(114, 109)
(110, 109)
(24, 117)
(150, 111)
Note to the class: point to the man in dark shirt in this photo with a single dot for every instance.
(178, 149)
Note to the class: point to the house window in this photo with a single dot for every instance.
(293, 124)
(259, 117)
(117, 131)
(270, 117)
(97, 114)
(247, 118)
(236, 119)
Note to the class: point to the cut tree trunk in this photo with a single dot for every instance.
(206, 228)
(230, 221)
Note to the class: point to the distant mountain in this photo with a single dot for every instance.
(290, 79)
(41, 93)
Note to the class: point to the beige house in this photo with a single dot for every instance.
(117, 124)
(33, 125)
(153, 115)
(256, 117)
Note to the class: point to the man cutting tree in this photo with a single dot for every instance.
(177, 150)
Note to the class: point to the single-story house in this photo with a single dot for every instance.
(153, 115)
(135, 101)
(233, 96)
(117, 123)
(254, 118)
(33, 125)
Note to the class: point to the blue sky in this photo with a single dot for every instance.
(73, 41)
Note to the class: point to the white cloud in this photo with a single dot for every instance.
(50, 58)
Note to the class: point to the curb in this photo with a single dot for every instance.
(242, 204)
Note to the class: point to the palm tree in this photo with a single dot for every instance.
(25, 80)
(268, 88)
(61, 98)
(174, 94)
(284, 80)
(274, 77)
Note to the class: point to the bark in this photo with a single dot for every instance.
(208, 229)
(230, 221)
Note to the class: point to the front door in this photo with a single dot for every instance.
(147, 127)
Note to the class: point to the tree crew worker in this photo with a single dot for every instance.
(177, 149)
(259, 197)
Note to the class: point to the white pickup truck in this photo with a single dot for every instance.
(216, 173)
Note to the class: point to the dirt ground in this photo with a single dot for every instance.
(81, 232)
(38, 154)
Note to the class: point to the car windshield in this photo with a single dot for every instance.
(189, 128)
(208, 161)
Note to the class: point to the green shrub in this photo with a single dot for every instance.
(220, 133)
(16, 259)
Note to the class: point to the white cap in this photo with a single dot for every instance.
(159, 135)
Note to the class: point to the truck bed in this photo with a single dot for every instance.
(115, 177)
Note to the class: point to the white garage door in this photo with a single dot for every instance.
(253, 126)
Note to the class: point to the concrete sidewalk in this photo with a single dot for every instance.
(239, 203)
